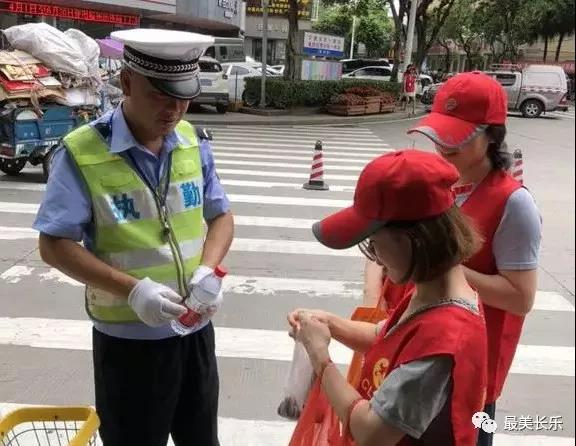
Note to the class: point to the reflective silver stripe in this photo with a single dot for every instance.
(185, 195)
(140, 204)
(125, 207)
(148, 258)
(103, 298)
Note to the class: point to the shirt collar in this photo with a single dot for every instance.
(122, 138)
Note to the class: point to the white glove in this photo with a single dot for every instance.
(154, 303)
(199, 274)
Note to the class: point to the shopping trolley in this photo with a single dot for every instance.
(49, 426)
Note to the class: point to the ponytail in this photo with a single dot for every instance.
(498, 153)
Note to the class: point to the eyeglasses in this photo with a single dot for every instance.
(368, 249)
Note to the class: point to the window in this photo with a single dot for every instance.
(374, 71)
(209, 67)
(506, 80)
(240, 71)
(544, 80)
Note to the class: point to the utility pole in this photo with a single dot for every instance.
(353, 30)
(353, 36)
(410, 37)
(264, 52)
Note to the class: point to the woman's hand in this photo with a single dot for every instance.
(311, 328)
(294, 318)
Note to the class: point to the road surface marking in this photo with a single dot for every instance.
(306, 166)
(329, 141)
(328, 177)
(226, 182)
(327, 159)
(253, 344)
(353, 155)
(242, 432)
(307, 146)
(238, 244)
(32, 208)
(238, 284)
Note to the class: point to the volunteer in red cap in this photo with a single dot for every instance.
(424, 371)
(468, 126)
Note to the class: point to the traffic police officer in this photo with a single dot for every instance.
(136, 187)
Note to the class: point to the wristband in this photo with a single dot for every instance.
(347, 429)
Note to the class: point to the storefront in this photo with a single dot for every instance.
(96, 18)
(277, 27)
(221, 18)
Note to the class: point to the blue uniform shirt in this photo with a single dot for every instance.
(66, 208)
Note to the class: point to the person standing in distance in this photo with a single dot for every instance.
(409, 84)
(136, 186)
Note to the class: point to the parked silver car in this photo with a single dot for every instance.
(534, 89)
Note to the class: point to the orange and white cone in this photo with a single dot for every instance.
(316, 181)
(518, 166)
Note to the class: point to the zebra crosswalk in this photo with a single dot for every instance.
(561, 114)
(275, 266)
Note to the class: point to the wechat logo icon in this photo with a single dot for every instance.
(481, 420)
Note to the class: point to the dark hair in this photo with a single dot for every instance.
(438, 244)
(500, 157)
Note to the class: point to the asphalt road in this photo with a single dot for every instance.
(276, 266)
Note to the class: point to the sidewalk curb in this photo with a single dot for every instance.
(290, 120)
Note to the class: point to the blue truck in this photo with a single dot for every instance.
(30, 135)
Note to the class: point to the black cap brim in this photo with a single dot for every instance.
(184, 89)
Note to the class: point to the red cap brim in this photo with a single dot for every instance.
(345, 229)
(447, 131)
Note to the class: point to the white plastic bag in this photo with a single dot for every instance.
(89, 49)
(298, 384)
(59, 51)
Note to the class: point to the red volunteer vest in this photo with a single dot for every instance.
(445, 330)
(485, 207)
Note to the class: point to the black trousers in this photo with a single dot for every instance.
(484, 438)
(146, 390)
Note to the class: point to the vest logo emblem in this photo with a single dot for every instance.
(380, 371)
(124, 207)
(190, 194)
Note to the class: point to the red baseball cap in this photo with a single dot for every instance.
(464, 106)
(407, 185)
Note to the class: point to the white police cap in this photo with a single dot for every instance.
(169, 59)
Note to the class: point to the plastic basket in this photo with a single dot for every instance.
(50, 426)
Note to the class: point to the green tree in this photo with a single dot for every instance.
(566, 23)
(291, 70)
(504, 26)
(373, 27)
(430, 19)
(549, 19)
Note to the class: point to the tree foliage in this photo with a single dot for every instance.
(549, 19)
(373, 26)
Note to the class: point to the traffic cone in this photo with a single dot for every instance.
(517, 166)
(316, 181)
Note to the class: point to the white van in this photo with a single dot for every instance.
(534, 89)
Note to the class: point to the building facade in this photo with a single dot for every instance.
(98, 18)
(277, 27)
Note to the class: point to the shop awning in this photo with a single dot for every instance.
(110, 48)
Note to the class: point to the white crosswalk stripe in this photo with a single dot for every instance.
(275, 265)
(238, 432)
(560, 114)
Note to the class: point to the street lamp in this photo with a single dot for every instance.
(265, 4)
